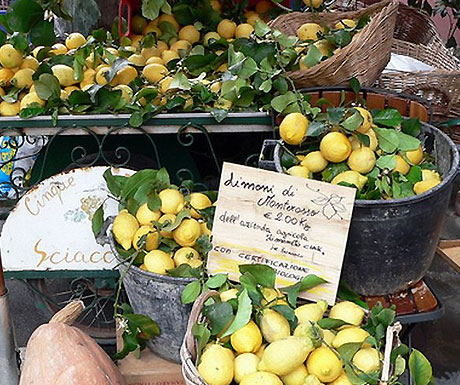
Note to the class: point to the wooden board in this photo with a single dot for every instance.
(298, 226)
(450, 251)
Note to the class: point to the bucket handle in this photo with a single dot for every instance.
(102, 238)
(269, 155)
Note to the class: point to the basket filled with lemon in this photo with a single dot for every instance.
(346, 44)
(253, 333)
(161, 239)
(402, 170)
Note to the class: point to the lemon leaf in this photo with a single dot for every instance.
(216, 281)
(389, 118)
(407, 142)
(42, 33)
(219, 314)
(316, 128)
(97, 220)
(202, 335)
(191, 292)
(353, 122)
(184, 271)
(331, 323)
(179, 218)
(353, 377)
(420, 368)
(288, 313)
(387, 138)
(151, 8)
(263, 274)
(411, 126)
(261, 29)
(335, 114)
(243, 314)
(313, 56)
(386, 162)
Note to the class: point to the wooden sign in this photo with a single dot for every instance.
(50, 227)
(297, 226)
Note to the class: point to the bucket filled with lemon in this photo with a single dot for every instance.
(401, 168)
(161, 238)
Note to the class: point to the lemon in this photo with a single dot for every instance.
(187, 233)
(341, 380)
(311, 312)
(23, 78)
(205, 229)
(126, 92)
(430, 175)
(328, 336)
(293, 128)
(324, 364)
(30, 62)
(248, 339)
(347, 311)
(210, 35)
(10, 57)
(124, 228)
(310, 330)
(155, 60)
(101, 73)
(285, 355)
(373, 141)
(226, 28)
(142, 267)
(367, 360)
(299, 171)
(401, 165)
(215, 5)
(362, 160)
(30, 99)
(145, 216)
(273, 325)
(245, 364)
(138, 23)
(309, 31)
(75, 40)
(37, 50)
(59, 49)
(324, 47)
(64, 74)
(313, 3)
(261, 378)
(335, 147)
(296, 377)
(349, 335)
(149, 28)
(244, 31)
(154, 72)
(252, 19)
(272, 297)
(190, 34)
(137, 59)
(172, 201)
(169, 55)
(311, 379)
(222, 68)
(199, 201)
(179, 45)
(314, 161)
(10, 109)
(367, 120)
(157, 261)
(351, 177)
(5, 77)
(425, 185)
(345, 23)
(135, 41)
(217, 365)
(229, 294)
(188, 256)
(169, 19)
(261, 351)
(152, 240)
(167, 218)
(415, 156)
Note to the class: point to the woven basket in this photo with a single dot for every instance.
(364, 58)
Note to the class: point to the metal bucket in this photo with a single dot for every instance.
(159, 297)
(392, 243)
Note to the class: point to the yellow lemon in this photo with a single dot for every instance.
(64, 74)
(137, 59)
(169, 55)
(5, 77)
(335, 147)
(347, 311)
(181, 45)
(10, 109)
(415, 156)
(425, 185)
(367, 120)
(244, 31)
(341, 380)
(226, 28)
(430, 175)
(261, 351)
(299, 171)
(126, 75)
(75, 40)
(313, 3)
(10, 57)
(126, 92)
(210, 35)
(145, 216)
(345, 23)
(23, 78)
(362, 160)
(310, 330)
(30, 62)
(273, 297)
(314, 161)
(59, 49)
(229, 294)
(311, 312)
(273, 325)
(30, 99)
(187, 233)
(149, 28)
(349, 335)
(248, 339)
(169, 19)
(293, 128)
(261, 378)
(155, 60)
(169, 219)
(351, 177)
(324, 364)
(138, 23)
(199, 201)
(401, 165)
(245, 364)
(124, 228)
(215, 5)
(367, 360)
(157, 261)
(309, 31)
(215, 87)
(252, 19)
(101, 75)
(172, 201)
(296, 377)
(152, 239)
(311, 379)
(154, 72)
(328, 336)
(37, 50)
(324, 47)
(189, 33)
(188, 256)
(285, 355)
(373, 141)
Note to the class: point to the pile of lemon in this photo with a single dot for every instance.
(268, 353)
(336, 147)
(146, 230)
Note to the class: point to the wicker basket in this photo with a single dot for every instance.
(364, 58)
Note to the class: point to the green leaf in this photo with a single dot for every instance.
(261, 29)
(347, 294)
(355, 85)
(388, 139)
(407, 142)
(331, 323)
(202, 335)
(353, 122)
(216, 281)
(281, 85)
(340, 38)
(400, 350)
(185, 271)
(20, 41)
(364, 139)
(263, 274)
(181, 82)
(191, 292)
(151, 8)
(420, 368)
(179, 218)
(153, 201)
(306, 283)
(23, 14)
(12, 96)
(313, 56)
(386, 317)
(353, 377)
(414, 175)
(42, 33)
(400, 366)
(243, 314)
(220, 314)
(332, 170)
(3, 37)
(335, 114)
(386, 162)
(389, 117)
(31, 111)
(288, 313)
(113, 183)
(348, 350)
(411, 126)
(135, 181)
(47, 87)
(147, 326)
(97, 220)
(281, 102)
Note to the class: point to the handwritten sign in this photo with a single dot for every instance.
(297, 226)
(50, 227)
